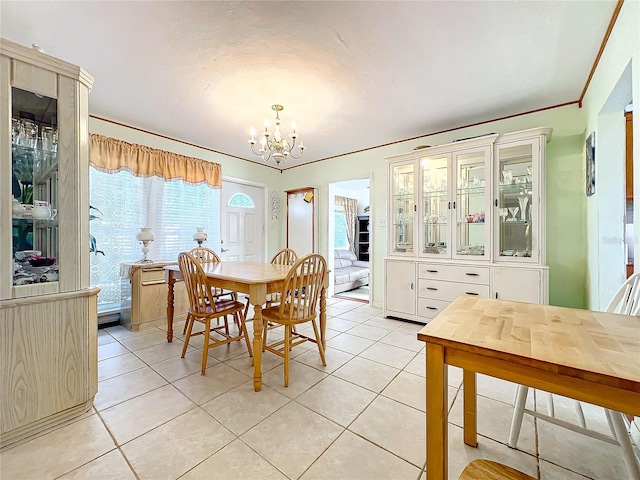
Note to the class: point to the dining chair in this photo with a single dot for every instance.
(285, 256)
(204, 306)
(626, 301)
(482, 469)
(298, 303)
(206, 256)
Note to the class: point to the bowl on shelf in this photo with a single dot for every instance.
(42, 262)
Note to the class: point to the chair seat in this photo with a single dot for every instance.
(273, 315)
(227, 306)
(489, 470)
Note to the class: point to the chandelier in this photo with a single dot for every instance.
(275, 144)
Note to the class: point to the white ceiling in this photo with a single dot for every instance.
(353, 75)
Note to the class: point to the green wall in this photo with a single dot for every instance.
(566, 224)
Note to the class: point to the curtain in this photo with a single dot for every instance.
(350, 206)
(111, 155)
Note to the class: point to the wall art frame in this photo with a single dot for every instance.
(590, 156)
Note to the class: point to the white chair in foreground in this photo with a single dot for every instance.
(625, 301)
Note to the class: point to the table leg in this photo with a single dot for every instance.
(171, 281)
(470, 420)
(257, 347)
(437, 415)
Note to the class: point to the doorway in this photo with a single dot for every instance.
(242, 222)
(349, 239)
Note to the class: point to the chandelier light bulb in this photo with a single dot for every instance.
(274, 144)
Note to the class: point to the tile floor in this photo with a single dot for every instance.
(361, 417)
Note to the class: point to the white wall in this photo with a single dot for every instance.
(607, 89)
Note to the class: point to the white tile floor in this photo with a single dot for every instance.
(360, 417)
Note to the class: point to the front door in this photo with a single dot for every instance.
(243, 226)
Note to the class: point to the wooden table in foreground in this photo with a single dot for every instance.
(586, 355)
(254, 279)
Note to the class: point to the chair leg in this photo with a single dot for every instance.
(245, 334)
(265, 329)
(188, 325)
(287, 347)
(205, 350)
(580, 414)
(621, 434)
(319, 342)
(518, 414)
(246, 309)
(551, 408)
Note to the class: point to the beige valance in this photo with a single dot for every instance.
(113, 155)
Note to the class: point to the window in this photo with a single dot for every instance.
(340, 239)
(241, 200)
(173, 209)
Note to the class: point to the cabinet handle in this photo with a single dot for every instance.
(432, 288)
(496, 202)
(432, 308)
(496, 295)
(415, 208)
(449, 206)
(152, 282)
(411, 285)
(454, 205)
(472, 293)
(472, 274)
(432, 271)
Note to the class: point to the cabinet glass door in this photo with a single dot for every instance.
(435, 206)
(34, 168)
(472, 237)
(516, 200)
(402, 208)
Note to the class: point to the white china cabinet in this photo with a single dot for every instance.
(467, 218)
(48, 312)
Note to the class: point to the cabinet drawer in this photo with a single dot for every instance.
(429, 308)
(454, 273)
(448, 291)
(152, 276)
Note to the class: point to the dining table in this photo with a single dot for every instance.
(255, 279)
(585, 355)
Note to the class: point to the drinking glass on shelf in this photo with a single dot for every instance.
(48, 135)
(30, 133)
(529, 174)
(507, 175)
(523, 200)
(17, 131)
(503, 214)
(513, 211)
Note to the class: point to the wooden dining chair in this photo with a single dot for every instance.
(285, 256)
(298, 303)
(626, 301)
(204, 306)
(206, 256)
(482, 469)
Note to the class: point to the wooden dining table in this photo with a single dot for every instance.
(255, 279)
(581, 354)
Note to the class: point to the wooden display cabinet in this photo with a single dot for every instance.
(467, 218)
(48, 312)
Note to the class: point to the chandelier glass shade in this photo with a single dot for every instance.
(274, 144)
